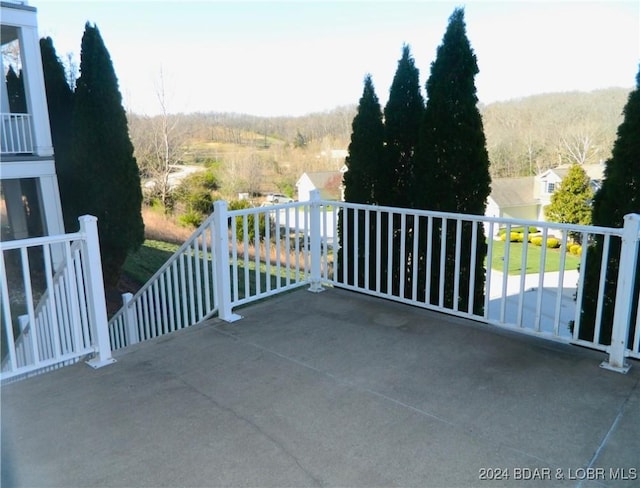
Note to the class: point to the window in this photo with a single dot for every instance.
(20, 209)
(551, 187)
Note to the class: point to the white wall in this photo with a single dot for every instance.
(305, 187)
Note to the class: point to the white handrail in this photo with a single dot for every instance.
(69, 320)
(239, 256)
(16, 134)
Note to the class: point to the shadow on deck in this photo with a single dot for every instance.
(330, 389)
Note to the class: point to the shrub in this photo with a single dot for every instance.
(195, 196)
(251, 219)
(520, 230)
(575, 249)
(536, 241)
(191, 219)
(513, 236)
(204, 179)
(552, 243)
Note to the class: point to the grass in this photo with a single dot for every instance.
(163, 238)
(534, 254)
(165, 228)
(141, 265)
(153, 254)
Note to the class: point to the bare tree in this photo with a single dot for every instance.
(159, 143)
(11, 56)
(577, 147)
(71, 70)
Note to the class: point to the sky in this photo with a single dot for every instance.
(273, 58)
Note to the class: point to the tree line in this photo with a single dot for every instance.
(524, 137)
(432, 155)
(426, 156)
(97, 172)
(618, 196)
(532, 134)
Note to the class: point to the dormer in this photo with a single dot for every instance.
(548, 182)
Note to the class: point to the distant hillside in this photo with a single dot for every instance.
(524, 136)
(528, 135)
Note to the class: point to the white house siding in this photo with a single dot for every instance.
(522, 212)
(305, 187)
(19, 22)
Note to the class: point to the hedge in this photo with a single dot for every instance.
(575, 249)
(551, 242)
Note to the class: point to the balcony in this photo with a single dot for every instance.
(329, 389)
(364, 384)
(16, 134)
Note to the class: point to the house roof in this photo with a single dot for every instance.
(513, 192)
(328, 182)
(321, 178)
(594, 171)
(522, 191)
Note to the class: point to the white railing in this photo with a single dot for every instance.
(53, 307)
(435, 272)
(16, 136)
(180, 294)
(240, 256)
(232, 259)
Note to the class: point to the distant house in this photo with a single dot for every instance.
(514, 198)
(328, 182)
(526, 197)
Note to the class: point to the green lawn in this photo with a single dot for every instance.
(142, 265)
(534, 253)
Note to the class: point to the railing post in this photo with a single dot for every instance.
(96, 302)
(221, 257)
(315, 237)
(624, 295)
(130, 323)
(23, 351)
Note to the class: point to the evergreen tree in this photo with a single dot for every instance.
(619, 196)
(102, 154)
(60, 105)
(364, 162)
(452, 166)
(571, 202)
(366, 149)
(402, 117)
(15, 92)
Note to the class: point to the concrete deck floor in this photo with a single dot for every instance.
(329, 389)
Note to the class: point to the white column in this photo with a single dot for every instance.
(624, 295)
(95, 292)
(51, 212)
(49, 195)
(222, 265)
(130, 322)
(315, 236)
(34, 90)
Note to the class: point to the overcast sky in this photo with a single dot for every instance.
(296, 57)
